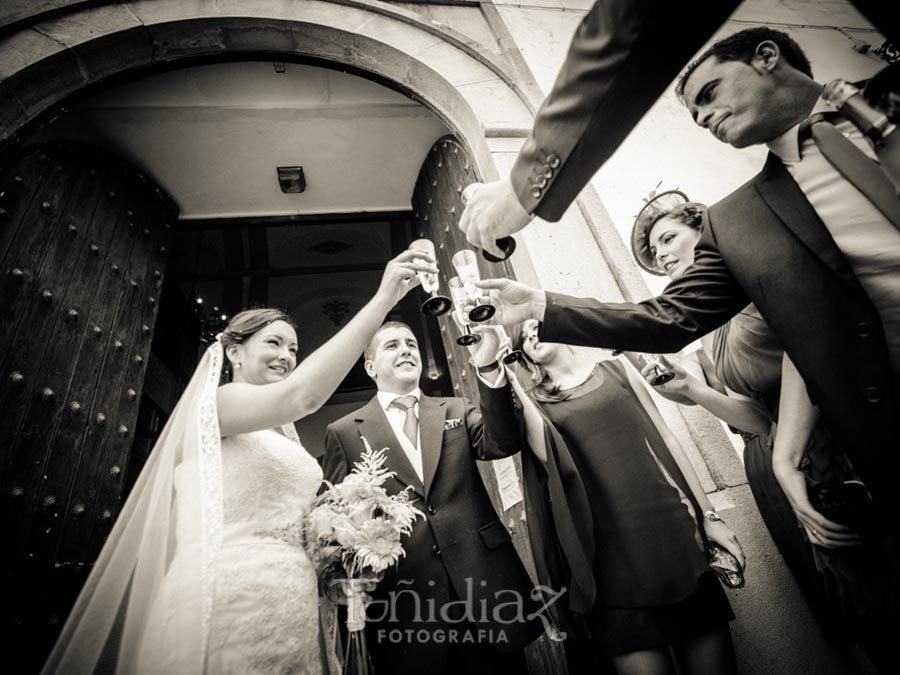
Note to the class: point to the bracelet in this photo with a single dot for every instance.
(489, 368)
(712, 516)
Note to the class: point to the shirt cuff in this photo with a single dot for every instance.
(500, 382)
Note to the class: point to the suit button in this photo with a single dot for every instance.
(436, 549)
(431, 509)
(548, 172)
(542, 183)
(864, 329)
(536, 193)
(873, 394)
(553, 160)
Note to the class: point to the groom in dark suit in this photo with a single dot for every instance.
(460, 600)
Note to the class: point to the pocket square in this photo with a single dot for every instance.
(452, 424)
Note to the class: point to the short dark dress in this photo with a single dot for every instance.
(654, 586)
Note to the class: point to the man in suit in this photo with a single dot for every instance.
(812, 251)
(460, 599)
(623, 56)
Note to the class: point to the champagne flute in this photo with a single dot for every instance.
(466, 265)
(436, 304)
(460, 300)
(506, 244)
(661, 374)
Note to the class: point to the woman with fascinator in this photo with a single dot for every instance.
(628, 511)
(743, 376)
(204, 570)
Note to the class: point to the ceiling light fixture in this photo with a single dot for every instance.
(291, 179)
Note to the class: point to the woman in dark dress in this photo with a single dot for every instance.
(851, 583)
(645, 513)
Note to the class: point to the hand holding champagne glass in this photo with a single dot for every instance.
(466, 265)
(460, 300)
(659, 374)
(436, 305)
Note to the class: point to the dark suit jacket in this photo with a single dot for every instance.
(765, 244)
(622, 57)
(461, 549)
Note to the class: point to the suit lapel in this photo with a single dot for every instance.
(782, 194)
(432, 412)
(374, 425)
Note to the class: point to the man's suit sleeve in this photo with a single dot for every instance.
(702, 300)
(622, 57)
(335, 466)
(495, 431)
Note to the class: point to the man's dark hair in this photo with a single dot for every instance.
(370, 349)
(742, 46)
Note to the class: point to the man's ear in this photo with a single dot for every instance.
(370, 369)
(766, 56)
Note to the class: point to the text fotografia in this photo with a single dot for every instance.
(439, 636)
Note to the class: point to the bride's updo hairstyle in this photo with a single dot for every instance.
(245, 324)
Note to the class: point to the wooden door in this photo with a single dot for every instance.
(437, 204)
(83, 245)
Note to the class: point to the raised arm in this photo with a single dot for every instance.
(741, 412)
(246, 407)
(703, 299)
(622, 57)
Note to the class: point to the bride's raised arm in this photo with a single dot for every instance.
(245, 407)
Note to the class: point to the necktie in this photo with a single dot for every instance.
(410, 423)
(864, 174)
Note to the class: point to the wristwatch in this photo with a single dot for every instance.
(712, 516)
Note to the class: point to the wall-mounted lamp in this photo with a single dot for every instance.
(291, 179)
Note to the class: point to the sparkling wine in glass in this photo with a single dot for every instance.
(460, 300)
(436, 304)
(466, 265)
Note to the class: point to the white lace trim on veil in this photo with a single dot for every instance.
(174, 515)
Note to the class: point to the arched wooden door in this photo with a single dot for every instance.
(83, 243)
(437, 204)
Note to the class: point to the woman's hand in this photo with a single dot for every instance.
(676, 389)
(340, 590)
(401, 274)
(820, 531)
(486, 350)
(720, 533)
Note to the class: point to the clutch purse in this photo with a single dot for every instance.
(725, 565)
(846, 503)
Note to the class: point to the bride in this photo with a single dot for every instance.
(204, 571)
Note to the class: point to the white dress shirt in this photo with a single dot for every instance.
(396, 417)
(868, 240)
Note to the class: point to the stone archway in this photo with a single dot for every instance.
(471, 88)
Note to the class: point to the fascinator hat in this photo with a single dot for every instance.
(657, 206)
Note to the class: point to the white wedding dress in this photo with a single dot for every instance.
(265, 611)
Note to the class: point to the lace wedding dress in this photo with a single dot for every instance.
(265, 613)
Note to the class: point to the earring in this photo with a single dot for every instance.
(237, 365)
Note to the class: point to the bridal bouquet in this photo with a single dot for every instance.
(353, 532)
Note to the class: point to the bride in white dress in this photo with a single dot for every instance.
(204, 571)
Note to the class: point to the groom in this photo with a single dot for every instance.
(460, 600)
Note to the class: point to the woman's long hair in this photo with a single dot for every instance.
(537, 382)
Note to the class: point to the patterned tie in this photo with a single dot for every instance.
(864, 174)
(410, 423)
